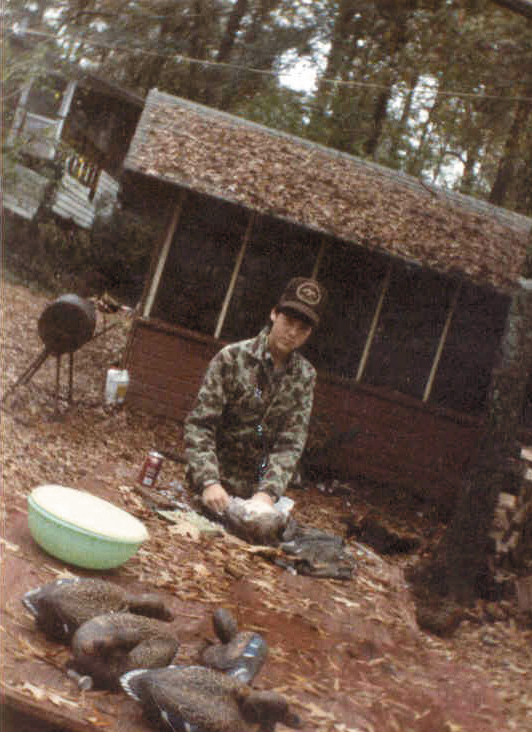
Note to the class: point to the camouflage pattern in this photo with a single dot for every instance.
(250, 423)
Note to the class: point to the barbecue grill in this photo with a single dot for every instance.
(64, 326)
(67, 324)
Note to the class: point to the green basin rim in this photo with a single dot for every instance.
(73, 527)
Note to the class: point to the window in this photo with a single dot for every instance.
(46, 96)
(200, 264)
(409, 330)
(38, 121)
(276, 252)
(477, 328)
(353, 277)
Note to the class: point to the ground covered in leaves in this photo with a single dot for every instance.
(347, 653)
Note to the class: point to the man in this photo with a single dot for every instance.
(248, 429)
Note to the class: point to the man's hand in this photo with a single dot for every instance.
(262, 497)
(215, 497)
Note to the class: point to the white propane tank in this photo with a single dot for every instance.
(116, 386)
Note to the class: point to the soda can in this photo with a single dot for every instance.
(151, 468)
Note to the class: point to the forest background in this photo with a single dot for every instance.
(439, 89)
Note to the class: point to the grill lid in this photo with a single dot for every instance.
(67, 324)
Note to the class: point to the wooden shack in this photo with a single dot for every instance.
(70, 133)
(420, 280)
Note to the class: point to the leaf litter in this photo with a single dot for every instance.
(349, 655)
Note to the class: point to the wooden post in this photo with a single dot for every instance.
(441, 344)
(374, 323)
(236, 270)
(319, 257)
(20, 114)
(64, 109)
(154, 286)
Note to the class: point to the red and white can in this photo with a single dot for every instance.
(151, 468)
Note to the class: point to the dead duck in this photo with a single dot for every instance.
(255, 523)
(107, 646)
(240, 655)
(60, 607)
(198, 699)
(316, 553)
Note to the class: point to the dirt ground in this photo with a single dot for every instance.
(347, 653)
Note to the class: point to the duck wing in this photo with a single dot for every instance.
(107, 646)
(188, 699)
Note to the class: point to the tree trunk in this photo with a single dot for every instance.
(417, 160)
(459, 567)
(379, 117)
(240, 84)
(467, 182)
(231, 30)
(511, 154)
(397, 43)
(523, 185)
(439, 159)
(467, 542)
(341, 53)
(220, 76)
(400, 128)
(194, 85)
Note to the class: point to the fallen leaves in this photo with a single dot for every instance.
(55, 656)
(99, 721)
(40, 694)
(186, 529)
(336, 650)
(345, 601)
(316, 712)
(10, 547)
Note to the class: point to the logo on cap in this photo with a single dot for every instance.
(309, 293)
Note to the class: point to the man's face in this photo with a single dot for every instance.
(287, 333)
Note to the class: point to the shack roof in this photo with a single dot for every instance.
(104, 86)
(24, 39)
(189, 145)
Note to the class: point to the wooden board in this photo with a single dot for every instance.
(34, 681)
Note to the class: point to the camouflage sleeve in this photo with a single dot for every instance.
(200, 426)
(289, 442)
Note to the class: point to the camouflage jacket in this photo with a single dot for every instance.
(249, 425)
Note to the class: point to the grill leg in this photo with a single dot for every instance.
(70, 376)
(32, 369)
(57, 375)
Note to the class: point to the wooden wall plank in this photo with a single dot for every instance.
(401, 440)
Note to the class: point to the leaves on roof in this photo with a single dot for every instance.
(226, 157)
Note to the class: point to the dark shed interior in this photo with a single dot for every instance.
(415, 305)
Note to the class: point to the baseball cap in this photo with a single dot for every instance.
(305, 296)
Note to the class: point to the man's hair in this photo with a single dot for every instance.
(294, 314)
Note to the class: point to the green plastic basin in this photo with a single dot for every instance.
(83, 529)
